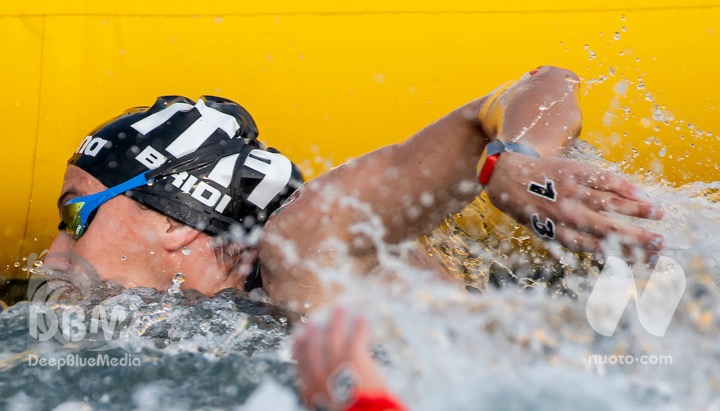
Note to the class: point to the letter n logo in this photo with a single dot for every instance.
(616, 286)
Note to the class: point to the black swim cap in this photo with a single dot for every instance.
(220, 174)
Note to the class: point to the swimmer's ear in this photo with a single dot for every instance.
(177, 235)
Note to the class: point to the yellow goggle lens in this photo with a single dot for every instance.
(71, 218)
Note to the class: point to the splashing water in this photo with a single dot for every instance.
(525, 347)
(534, 349)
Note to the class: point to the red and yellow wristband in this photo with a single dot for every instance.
(491, 154)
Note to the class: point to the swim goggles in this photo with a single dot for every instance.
(78, 213)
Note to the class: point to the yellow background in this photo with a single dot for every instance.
(327, 81)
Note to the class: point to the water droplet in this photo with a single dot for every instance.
(37, 263)
(622, 17)
(24, 258)
(35, 239)
(17, 264)
(586, 47)
(623, 29)
(616, 36)
(658, 115)
(152, 252)
(123, 257)
(24, 268)
(662, 152)
(186, 251)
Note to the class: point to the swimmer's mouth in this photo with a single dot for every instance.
(64, 264)
(57, 263)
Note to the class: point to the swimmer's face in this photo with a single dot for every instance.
(139, 247)
(122, 243)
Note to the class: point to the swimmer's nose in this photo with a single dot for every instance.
(57, 256)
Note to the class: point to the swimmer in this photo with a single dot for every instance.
(187, 187)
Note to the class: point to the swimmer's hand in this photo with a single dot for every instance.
(564, 200)
(334, 363)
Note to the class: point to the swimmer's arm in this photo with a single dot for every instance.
(401, 191)
(390, 195)
(409, 188)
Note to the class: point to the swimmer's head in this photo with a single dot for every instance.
(211, 171)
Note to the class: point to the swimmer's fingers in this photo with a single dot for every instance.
(359, 342)
(604, 180)
(336, 339)
(304, 368)
(603, 226)
(311, 370)
(369, 375)
(575, 240)
(614, 203)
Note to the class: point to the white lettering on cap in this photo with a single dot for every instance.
(151, 158)
(84, 144)
(91, 146)
(223, 171)
(210, 121)
(155, 120)
(191, 139)
(277, 174)
(206, 194)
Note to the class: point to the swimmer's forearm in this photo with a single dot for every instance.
(395, 193)
(542, 109)
(439, 162)
(411, 187)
